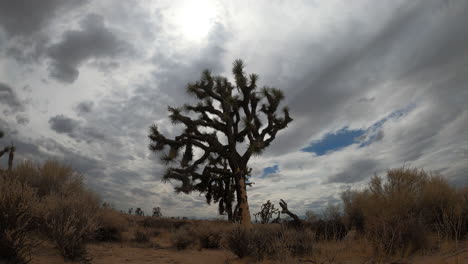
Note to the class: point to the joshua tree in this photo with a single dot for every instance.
(130, 211)
(157, 212)
(296, 221)
(266, 213)
(229, 124)
(139, 212)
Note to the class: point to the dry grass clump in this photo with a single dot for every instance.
(298, 242)
(111, 224)
(162, 223)
(17, 203)
(140, 236)
(210, 238)
(70, 220)
(183, 239)
(209, 234)
(237, 241)
(272, 241)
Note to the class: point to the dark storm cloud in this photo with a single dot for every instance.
(142, 192)
(42, 149)
(22, 119)
(63, 124)
(77, 130)
(93, 41)
(9, 98)
(123, 177)
(356, 171)
(410, 43)
(25, 17)
(12, 104)
(84, 107)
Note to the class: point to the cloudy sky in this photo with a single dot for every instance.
(371, 85)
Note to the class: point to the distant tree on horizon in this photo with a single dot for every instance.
(157, 212)
(229, 124)
(139, 212)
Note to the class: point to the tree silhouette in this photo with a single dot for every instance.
(157, 212)
(229, 124)
(139, 212)
(11, 150)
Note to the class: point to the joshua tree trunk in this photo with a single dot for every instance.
(228, 200)
(11, 156)
(242, 202)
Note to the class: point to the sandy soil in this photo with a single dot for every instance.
(110, 253)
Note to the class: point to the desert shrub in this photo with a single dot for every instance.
(442, 207)
(140, 236)
(49, 178)
(311, 216)
(463, 194)
(329, 225)
(238, 241)
(162, 223)
(209, 238)
(298, 242)
(397, 234)
(389, 212)
(183, 239)
(155, 233)
(69, 221)
(111, 224)
(272, 241)
(17, 203)
(353, 204)
(330, 229)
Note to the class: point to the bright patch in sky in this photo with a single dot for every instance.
(195, 19)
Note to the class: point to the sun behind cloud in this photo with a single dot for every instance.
(194, 19)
